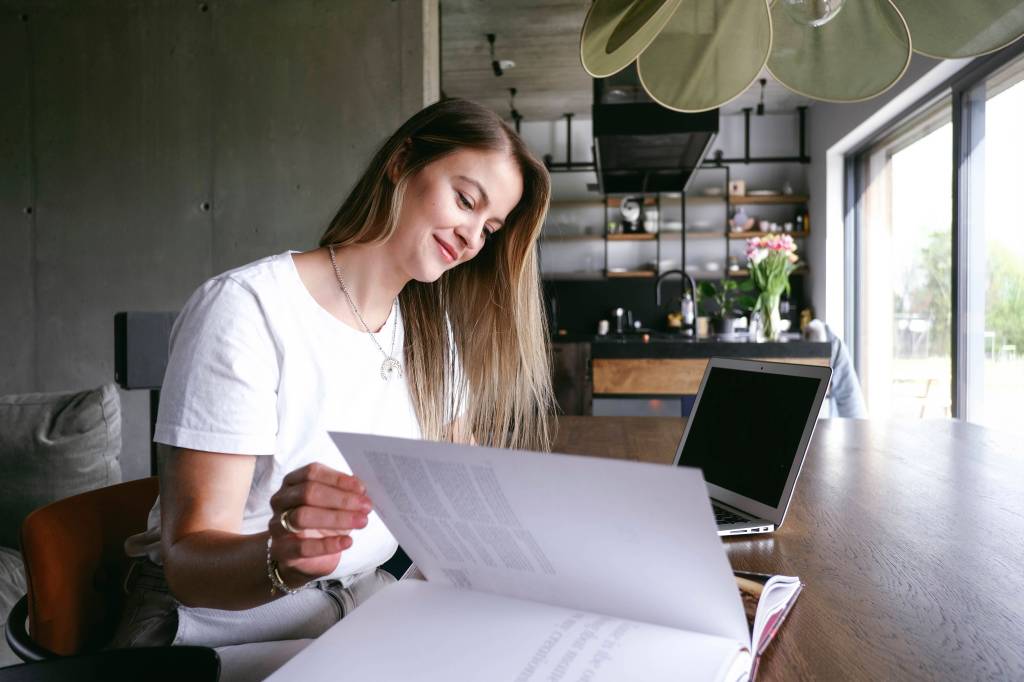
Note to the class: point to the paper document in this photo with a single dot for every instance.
(628, 540)
(415, 630)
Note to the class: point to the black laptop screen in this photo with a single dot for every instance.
(746, 430)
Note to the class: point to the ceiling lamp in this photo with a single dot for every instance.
(696, 55)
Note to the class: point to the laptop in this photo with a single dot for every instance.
(748, 433)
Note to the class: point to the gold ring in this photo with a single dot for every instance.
(287, 524)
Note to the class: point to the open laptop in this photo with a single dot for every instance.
(748, 432)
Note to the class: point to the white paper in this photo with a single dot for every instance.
(625, 539)
(415, 630)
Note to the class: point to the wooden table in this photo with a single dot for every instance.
(909, 537)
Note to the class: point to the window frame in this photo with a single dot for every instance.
(966, 122)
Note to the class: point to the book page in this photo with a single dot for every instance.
(767, 600)
(625, 539)
(415, 630)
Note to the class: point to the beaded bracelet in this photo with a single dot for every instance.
(277, 583)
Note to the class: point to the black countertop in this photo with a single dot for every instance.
(667, 345)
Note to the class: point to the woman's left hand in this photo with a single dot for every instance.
(321, 507)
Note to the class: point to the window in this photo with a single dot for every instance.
(938, 252)
(905, 284)
(992, 334)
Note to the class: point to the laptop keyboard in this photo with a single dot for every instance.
(723, 516)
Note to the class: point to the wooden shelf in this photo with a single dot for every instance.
(754, 233)
(769, 199)
(706, 199)
(626, 274)
(638, 237)
(580, 276)
(596, 202)
(571, 238)
(615, 202)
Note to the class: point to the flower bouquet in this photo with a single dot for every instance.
(771, 259)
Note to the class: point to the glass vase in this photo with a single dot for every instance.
(770, 321)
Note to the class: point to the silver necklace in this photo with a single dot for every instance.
(390, 367)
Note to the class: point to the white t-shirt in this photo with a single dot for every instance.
(258, 367)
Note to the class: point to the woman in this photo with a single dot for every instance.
(420, 315)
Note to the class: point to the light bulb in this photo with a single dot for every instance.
(812, 13)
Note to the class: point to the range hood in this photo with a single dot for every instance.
(639, 145)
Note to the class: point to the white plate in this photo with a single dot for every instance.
(762, 192)
(713, 192)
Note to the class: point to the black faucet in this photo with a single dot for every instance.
(686, 279)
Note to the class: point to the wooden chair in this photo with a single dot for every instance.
(75, 565)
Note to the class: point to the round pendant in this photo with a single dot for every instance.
(390, 368)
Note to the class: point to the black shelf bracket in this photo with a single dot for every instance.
(717, 159)
(568, 166)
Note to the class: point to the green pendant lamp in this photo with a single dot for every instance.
(616, 31)
(949, 29)
(696, 55)
(709, 53)
(857, 53)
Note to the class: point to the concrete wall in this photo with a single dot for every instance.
(146, 145)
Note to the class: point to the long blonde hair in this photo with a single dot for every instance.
(476, 345)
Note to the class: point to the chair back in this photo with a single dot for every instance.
(75, 564)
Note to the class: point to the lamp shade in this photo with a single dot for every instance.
(949, 29)
(616, 31)
(709, 53)
(857, 55)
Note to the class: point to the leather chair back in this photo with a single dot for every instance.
(75, 564)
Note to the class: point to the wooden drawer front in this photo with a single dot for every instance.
(670, 376)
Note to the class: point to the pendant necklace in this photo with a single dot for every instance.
(390, 367)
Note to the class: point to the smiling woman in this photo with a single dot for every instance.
(419, 316)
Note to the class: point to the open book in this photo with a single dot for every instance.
(542, 567)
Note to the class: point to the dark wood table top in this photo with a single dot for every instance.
(908, 536)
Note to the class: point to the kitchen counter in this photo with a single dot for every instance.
(664, 346)
(669, 365)
(587, 366)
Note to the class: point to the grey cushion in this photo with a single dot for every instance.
(12, 588)
(52, 446)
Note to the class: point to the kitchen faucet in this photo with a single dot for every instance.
(687, 279)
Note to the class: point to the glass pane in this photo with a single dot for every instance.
(904, 295)
(996, 396)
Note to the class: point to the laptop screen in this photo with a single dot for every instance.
(746, 429)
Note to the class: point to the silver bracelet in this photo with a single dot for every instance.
(277, 583)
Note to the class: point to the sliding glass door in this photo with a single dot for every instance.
(938, 248)
(991, 336)
(904, 293)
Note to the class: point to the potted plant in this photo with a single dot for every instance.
(724, 301)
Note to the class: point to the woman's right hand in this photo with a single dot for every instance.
(323, 505)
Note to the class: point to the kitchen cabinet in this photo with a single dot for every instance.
(675, 368)
(570, 367)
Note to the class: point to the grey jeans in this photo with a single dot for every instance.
(153, 617)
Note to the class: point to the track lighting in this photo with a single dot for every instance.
(498, 65)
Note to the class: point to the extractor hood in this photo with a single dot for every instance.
(639, 145)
